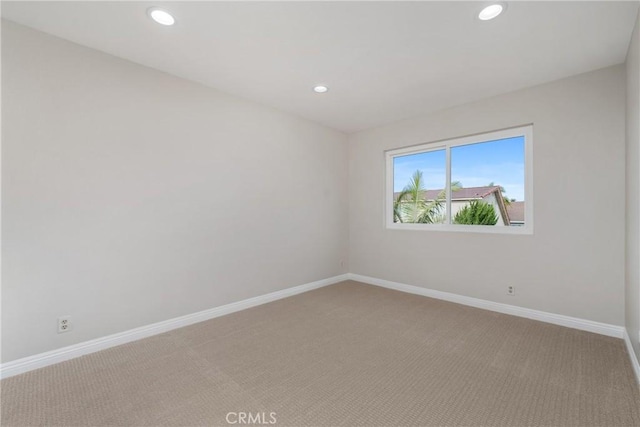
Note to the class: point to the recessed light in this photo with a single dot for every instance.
(161, 16)
(490, 12)
(320, 89)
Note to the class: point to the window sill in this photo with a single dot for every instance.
(491, 229)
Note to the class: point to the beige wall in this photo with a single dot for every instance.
(573, 264)
(632, 289)
(125, 194)
(131, 196)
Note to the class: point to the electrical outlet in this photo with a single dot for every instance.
(64, 324)
(511, 290)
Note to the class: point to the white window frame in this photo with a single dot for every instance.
(525, 131)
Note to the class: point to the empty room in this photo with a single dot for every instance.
(310, 213)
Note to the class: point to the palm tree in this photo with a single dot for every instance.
(411, 204)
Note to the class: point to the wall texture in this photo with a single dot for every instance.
(632, 289)
(573, 264)
(131, 196)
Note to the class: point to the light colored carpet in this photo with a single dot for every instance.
(345, 355)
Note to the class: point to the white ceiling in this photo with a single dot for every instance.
(383, 61)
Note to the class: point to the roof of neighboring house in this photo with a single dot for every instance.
(516, 211)
(470, 193)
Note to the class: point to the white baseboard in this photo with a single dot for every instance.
(632, 356)
(556, 319)
(41, 360)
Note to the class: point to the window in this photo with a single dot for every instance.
(477, 183)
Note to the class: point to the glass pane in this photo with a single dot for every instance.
(418, 186)
(488, 182)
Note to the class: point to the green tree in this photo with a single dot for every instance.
(411, 205)
(476, 213)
